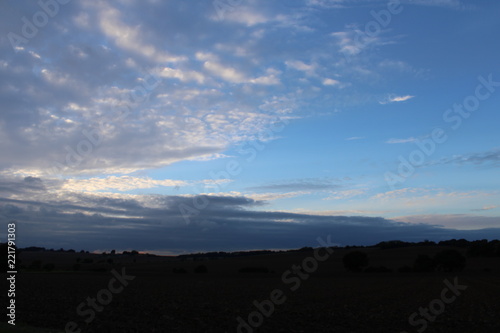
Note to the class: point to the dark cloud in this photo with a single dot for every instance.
(54, 218)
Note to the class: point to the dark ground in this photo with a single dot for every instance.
(330, 300)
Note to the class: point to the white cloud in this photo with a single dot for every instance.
(301, 66)
(225, 72)
(243, 15)
(331, 82)
(393, 99)
(130, 38)
(122, 183)
(486, 207)
(230, 74)
(184, 76)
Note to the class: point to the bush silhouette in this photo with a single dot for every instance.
(449, 260)
(179, 270)
(353, 261)
(424, 263)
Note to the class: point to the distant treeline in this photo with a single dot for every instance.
(483, 248)
(477, 248)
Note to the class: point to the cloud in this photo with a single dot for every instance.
(298, 185)
(411, 139)
(339, 4)
(128, 37)
(453, 221)
(114, 93)
(298, 65)
(212, 64)
(242, 15)
(355, 138)
(276, 196)
(453, 4)
(394, 98)
(487, 207)
(404, 67)
(123, 183)
(331, 82)
(346, 194)
(415, 200)
(490, 157)
(353, 40)
(52, 216)
(183, 76)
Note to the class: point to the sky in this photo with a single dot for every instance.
(183, 126)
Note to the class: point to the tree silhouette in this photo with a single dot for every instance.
(353, 261)
(449, 260)
(424, 263)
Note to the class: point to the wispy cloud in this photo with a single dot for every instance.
(392, 141)
(355, 138)
(453, 4)
(491, 157)
(312, 184)
(488, 207)
(346, 194)
(394, 99)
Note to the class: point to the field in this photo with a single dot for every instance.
(328, 299)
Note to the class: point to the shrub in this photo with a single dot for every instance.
(179, 270)
(353, 261)
(424, 263)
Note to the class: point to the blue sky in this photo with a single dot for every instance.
(193, 124)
